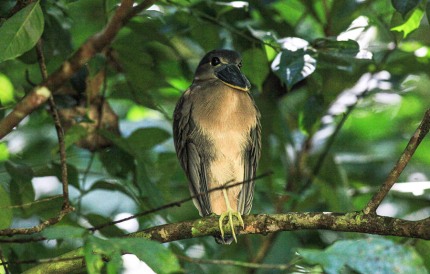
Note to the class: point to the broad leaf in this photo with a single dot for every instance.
(147, 138)
(5, 209)
(21, 188)
(411, 24)
(255, 66)
(154, 254)
(293, 66)
(374, 255)
(160, 259)
(64, 232)
(21, 32)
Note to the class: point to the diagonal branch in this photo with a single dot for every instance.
(58, 126)
(96, 43)
(414, 142)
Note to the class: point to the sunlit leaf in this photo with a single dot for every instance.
(4, 152)
(411, 24)
(6, 90)
(21, 32)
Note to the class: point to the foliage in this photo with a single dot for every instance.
(311, 64)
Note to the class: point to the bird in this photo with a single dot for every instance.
(217, 137)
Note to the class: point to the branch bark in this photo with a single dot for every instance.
(262, 224)
(96, 43)
(414, 142)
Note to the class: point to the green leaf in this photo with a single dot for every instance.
(293, 66)
(64, 232)
(5, 209)
(4, 152)
(405, 6)
(104, 185)
(336, 48)
(374, 255)
(19, 172)
(54, 169)
(21, 188)
(255, 66)
(122, 165)
(94, 249)
(312, 111)
(109, 231)
(21, 32)
(428, 11)
(74, 134)
(423, 248)
(154, 254)
(411, 24)
(7, 91)
(147, 138)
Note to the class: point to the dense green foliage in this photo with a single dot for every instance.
(341, 86)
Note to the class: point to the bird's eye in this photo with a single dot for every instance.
(240, 64)
(215, 61)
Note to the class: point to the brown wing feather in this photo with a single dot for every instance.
(187, 138)
(251, 157)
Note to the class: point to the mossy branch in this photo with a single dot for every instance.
(260, 224)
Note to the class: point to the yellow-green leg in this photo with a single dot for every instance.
(229, 213)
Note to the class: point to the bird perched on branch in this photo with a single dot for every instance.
(217, 139)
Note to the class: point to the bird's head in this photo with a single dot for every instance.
(223, 65)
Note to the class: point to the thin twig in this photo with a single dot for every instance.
(236, 263)
(37, 228)
(413, 143)
(34, 202)
(58, 127)
(43, 261)
(178, 203)
(22, 240)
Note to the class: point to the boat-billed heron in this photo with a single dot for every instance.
(217, 139)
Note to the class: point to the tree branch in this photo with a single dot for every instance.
(58, 126)
(37, 228)
(264, 224)
(414, 142)
(270, 223)
(40, 94)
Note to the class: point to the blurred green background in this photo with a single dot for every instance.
(341, 86)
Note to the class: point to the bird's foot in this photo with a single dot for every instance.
(229, 214)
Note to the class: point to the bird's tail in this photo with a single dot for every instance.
(228, 239)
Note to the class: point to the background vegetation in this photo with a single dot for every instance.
(341, 86)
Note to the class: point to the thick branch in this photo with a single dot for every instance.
(265, 224)
(93, 45)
